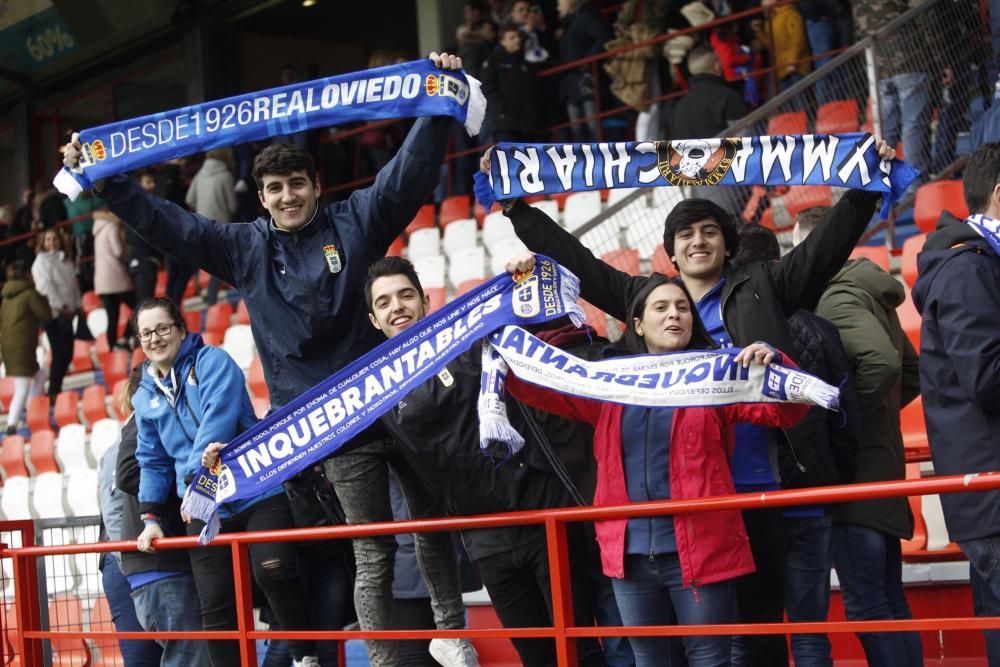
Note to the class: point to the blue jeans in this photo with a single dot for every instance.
(652, 593)
(984, 576)
(870, 568)
(823, 38)
(807, 585)
(135, 652)
(168, 605)
(617, 650)
(905, 100)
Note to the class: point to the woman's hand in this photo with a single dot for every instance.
(484, 161)
(151, 532)
(758, 352)
(885, 152)
(523, 263)
(210, 457)
(446, 61)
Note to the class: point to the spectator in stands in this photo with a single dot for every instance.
(904, 59)
(55, 279)
(711, 105)
(734, 57)
(47, 206)
(143, 260)
(825, 20)
(81, 211)
(212, 195)
(179, 411)
(510, 84)
(476, 37)
(785, 28)
(437, 429)
(821, 450)
(861, 301)
(162, 587)
(537, 41)
(956, 296)
(171, 184)
(738, 305)
(646, 557)
(111, 279)
(302, 250)
(583, 34)
(22, 312)
(643, 20)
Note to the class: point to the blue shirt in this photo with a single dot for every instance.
(750, 463)
(646, 461)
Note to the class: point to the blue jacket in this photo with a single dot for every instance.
(956, 295)
(307, 321)
(211, 405)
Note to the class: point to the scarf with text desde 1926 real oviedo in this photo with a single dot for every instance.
(839, 160)
(408, 90)
(321, 420)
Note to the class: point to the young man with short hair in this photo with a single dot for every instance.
(437, 428)
(738, 306)
(300, 271)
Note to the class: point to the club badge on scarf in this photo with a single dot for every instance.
(407, 90)
(318, 422)
(988, 228)
(839, 160)
(680, 380)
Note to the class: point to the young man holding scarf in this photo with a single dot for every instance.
(738, 305)
(437, 428)
(956, 295)
(300, 272)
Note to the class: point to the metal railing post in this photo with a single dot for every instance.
(562, 591)
(244, 602)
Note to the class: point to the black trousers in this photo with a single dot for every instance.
(143, 276)
(761, 594)
(275, 569)
(60, 334)
(112, 304)
(518, 583)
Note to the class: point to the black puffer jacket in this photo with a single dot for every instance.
(821, 449)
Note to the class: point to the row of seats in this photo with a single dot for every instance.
(67, 612)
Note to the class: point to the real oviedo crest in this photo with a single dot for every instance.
(332, 258)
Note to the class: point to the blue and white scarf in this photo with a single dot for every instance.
(988, 228)
(839, 160)
(408, 90)
(321, 420)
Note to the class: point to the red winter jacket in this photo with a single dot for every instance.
(712, 546)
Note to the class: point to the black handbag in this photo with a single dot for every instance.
(313, 500)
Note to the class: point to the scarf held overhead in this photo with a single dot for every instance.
(407, 90)
(838, 160)
(321, 420)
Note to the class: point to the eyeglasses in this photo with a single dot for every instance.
(161, 330)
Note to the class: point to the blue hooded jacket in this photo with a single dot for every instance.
(211, 405)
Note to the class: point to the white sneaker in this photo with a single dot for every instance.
(307, 661)
(454, 652)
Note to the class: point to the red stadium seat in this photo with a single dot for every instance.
(66, 409)
(38, 413)
(95, 404)
(803, 197)
(837, 116)
(479, 213)
(911, 248)
(425, 219)
(12, 456)
(933, 198)
(876, 253)
(161, 284)
(910, 320)
(89, 301)
(217, 317)
(81, 356)
(117, 367)
(453, 208)
(192, 320)
(468, 286)
(242, 314)
(213, 338)
(101, 350)
(395, 250)
(794, 122)
(626, 260)
(66, 614)
(101, 620)
(661, 262)
(595, 318)
(6, 391)
(256, 381)
(117, 391)
(436, 297)
(138, 356)
(42, 451)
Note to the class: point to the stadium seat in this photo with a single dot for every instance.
(460, 234)
(218, 317)
(794, 122)
(395, 250)
(71, 449)
(42, 452)
(125, 314)
(911, 248)
(425, 219)
(104, 434)
(161, 284)
(479, 213)
(423, 242)
(595, 318)
(260, 406)
(82, 493)
(581, 208)
(65, 412)
(242, 314)
(453, 208)
(503, 251)
(38, 414)
(550, 207)
(89, 301)
(213, 338)
(12, 457)
(430, 270)
(47, 496)
(933, 198)
(95, 405)
(238, 342)
(918, 543)
(644, 236)
(137, 357)
(97, 321)
(6, 391)
(117, 367)
(878, 254)
(192, 320)
(910, 320)
(101, 620)
(661, 263)
(496, 227)
(467, 264)
(914, 428)
(626, 260)
(837, 116)
(255, 379)
(82, 360)
(16, 498)
(436, 298)
(117, 391)
(803, 197)
(468, 286)
(101, 349)
(66, 613)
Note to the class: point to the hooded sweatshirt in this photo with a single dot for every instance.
(861, 301)
(110, 274)
(212, 192)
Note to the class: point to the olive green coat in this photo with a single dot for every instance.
(23, 311)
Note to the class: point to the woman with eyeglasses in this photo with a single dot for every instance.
(191, 395)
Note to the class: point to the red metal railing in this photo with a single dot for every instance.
(29, 634)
